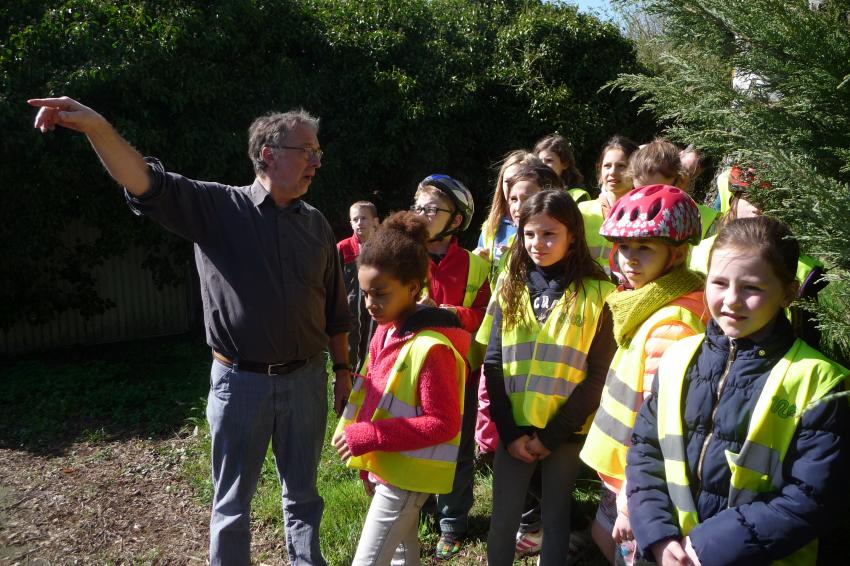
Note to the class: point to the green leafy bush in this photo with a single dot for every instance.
(405, 88)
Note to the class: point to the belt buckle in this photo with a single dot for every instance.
(269, 369)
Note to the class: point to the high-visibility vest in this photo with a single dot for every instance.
(600, 248)
(426, 470)
(579, 195)
(496, 266)
(707, 217)
(724, 193)
(801, 377)
(543, 364)
(479, 271)
(611, 432)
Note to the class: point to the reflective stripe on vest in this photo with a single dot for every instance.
(800, 378)
(476, 275)
(425, 470)
(600, 248)
(542, 365)
(611, 432)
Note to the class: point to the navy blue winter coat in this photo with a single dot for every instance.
(775, 525)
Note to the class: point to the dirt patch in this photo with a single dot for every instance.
(118, 502)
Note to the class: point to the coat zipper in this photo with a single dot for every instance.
(733, 350)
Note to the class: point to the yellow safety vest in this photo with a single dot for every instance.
(426, 470)
(479, 271)
(600, 248)
(579, 195)
(723, 191)
(801, 377)
(542, 365)
(611, 433)
(707, 217)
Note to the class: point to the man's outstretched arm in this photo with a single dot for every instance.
(121, 160)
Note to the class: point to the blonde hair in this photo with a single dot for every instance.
(499, 206)
(373, 210)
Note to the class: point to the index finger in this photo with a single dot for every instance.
(63, 103)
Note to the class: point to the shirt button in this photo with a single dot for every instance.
(762, 353)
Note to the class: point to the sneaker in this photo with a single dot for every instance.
(448, 546)
(528, 544)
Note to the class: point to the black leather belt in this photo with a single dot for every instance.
(256, 367)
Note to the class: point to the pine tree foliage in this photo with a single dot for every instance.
(792, 122)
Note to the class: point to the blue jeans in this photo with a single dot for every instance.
(245, 411)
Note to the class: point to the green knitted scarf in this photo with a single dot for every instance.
(632, 307)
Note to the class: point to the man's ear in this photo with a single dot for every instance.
(266, 154)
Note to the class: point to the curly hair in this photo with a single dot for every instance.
(398, 248)
(571, 177)
(578, 263)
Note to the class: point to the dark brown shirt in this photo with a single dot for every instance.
(271, 281)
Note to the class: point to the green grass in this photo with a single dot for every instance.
(346, 503)
(107, 392)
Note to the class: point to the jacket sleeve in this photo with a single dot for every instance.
(657, 342)
(471, 317)
(651, 510)
(500, 404)
(440, 419)
(775, 525)
(584, 400)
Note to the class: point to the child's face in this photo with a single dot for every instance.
(552, 161)
(520, 192)
(613, 173)
(743, 292)
(642, 260)
(387, 299)
(506, 174)
(363, 224)
(547, 241)
(426, 203)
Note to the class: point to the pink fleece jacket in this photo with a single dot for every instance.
(441, 415)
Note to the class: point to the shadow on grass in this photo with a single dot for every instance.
(140, 389)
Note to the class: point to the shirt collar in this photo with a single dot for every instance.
(259, 195)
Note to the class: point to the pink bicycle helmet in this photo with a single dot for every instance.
(654, 211)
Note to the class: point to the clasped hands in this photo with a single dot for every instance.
(528, 448)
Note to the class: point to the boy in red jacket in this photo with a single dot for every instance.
(458, 283)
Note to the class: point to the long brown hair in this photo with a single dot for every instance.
(499, 206)
(579, 264)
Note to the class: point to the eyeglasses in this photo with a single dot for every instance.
(430, 210)
(311, 153)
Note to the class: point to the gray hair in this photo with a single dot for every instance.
(272, 129)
